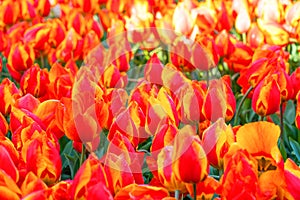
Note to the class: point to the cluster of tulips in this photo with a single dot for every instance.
(149, 99)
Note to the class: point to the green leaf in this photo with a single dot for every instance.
(290, 112)
(296, 148)
(275, 119)
(103, 145)
(73, 164)
(282, 150)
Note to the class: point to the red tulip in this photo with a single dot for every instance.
(189, 159)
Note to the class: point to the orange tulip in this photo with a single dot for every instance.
(42, 158)
(273, 32)
(219, 101)
(61, 190)
(265, 151)
(23, 124)
(265, 61)
(42, 7)
(240, 177)
(3, 125)
(10, 13)
(184, 55)
(75, 21)
(70, 47)
(90, 173)
(266, 97)
(118, 172)
(50, 112)
(11, 149)
(295, 79)
(8, 165)
(210, 50)
(61, 81)
(292, 177)
(8, 94)
(85, 6)
(20, 58)
(35, 81)
(237, 55)
(27, 102)
(255, 37)
(57, 31)
(27, 11)
(153, 70)
(272, 185)
(205, 16)
(165, 174)
(190, 164)
(122, 147)
(32, 184)
(37, 36)
(217, 139)
(205, 189)
(140, 192)
(99, 191)
(165, 136)
(8, 187)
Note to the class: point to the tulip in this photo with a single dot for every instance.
(8, 94)
(8, 187)
(292, 177)
(3, 125)
(217, 139)
(266, 151)
(90, 173)
(35, 81)
(9, 14)
(219, 101)
(266, 97)
(295, 79)
(189, 160)
(70, 47)
(85, 6)
(37, 36)
(165, 174)
(205, 189)
(240, 177)
(61, 190)
(42, 158)
(20, 58)
(32, 184)
(140, 192)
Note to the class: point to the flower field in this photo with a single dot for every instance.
(149, 99)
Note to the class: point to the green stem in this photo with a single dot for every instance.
(195, 191)
(82, 156)
(241, 104)
(244, 38)
(261, 118)
(177, 193)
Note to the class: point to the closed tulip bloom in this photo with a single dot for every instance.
(189, 159)
(165, 174)
(266, 97)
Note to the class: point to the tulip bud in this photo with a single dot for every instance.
(266, 97)
(190, 164)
